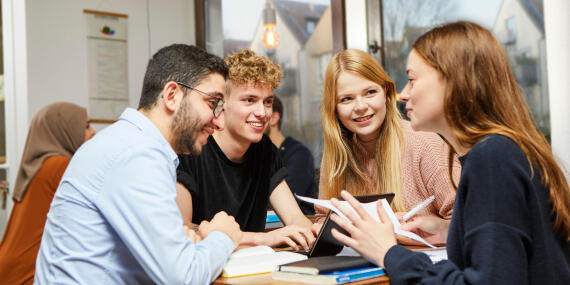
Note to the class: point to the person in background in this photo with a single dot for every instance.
(511, 219)
(56, 132)
(297, 158)
(114, 219)
(240, 170)
(370, 149)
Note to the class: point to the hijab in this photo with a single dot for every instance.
(57, 129)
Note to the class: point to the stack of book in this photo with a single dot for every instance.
(328, 270)
(272, 221)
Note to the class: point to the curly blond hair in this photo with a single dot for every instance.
(246, 67)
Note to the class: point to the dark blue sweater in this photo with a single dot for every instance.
(501, 231)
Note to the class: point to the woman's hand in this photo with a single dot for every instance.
(433, 229)
(370, 238)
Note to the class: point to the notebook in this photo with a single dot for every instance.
(326, 244)
(325, 264)
(336, 277)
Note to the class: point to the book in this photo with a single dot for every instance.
(257, 260)
(271, 217)
(324, 264)
(272, 221)
(335, 277)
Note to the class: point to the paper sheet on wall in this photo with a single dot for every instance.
(107, 64)
(371, 210)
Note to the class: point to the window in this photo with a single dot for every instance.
(405, 21)
(304, 34)
(3, 173)
(310, 26)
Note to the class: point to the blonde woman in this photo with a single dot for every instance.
(369, 148)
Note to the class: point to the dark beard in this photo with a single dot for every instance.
(184, 127)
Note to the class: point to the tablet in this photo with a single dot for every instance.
(326, 244)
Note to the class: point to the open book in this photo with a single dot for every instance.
(257, 260)
(371, 209)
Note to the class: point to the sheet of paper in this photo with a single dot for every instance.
(348, 251)
(371, 210)
(435, 254)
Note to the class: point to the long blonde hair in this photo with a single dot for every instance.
(341, 169)
(482, 98)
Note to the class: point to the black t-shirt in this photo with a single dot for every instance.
(241, 189)
(298, 160)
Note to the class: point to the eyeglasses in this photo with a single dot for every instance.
(219, 101)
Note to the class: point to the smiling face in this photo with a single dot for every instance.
(424, 95)
(361, 105)
(194, 119)
(248, 111)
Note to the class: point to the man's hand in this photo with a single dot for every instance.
(433, 229)
(195, 237)
(316, 228)
(223, 223)
(292, 236)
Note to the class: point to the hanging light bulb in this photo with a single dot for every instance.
(270, 37)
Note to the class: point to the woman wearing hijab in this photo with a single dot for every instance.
(56, 132)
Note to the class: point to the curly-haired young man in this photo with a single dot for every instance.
(240, 170)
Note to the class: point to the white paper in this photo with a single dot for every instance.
(435, 254)
(371, 210)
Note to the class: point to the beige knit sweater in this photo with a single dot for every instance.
(424, 173)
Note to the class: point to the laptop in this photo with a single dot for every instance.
(326, 244)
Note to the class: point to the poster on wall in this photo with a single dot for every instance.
(107, 65)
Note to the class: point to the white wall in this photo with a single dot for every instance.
(57, 44)
(556, 23)
(45, 54)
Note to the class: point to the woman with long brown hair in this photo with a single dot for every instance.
(511, 221)
(370, 149)
(56, 132)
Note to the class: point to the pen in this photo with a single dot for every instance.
(418, 208)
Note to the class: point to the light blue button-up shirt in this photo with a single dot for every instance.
(114, 217)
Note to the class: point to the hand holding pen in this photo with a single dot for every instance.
(418, 208)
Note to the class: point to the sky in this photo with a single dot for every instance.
(240, 18)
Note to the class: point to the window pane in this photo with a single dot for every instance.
(2, 113)
(517, 24)
(304, 47)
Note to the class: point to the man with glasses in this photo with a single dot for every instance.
(114, 218)
(240, 170)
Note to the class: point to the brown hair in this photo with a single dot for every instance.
(246, 67)
(475, 65)
(341, 169)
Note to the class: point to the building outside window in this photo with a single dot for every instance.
(518, 25)
(304, 43)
